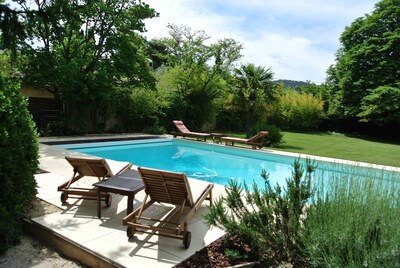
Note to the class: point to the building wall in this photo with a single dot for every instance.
(36, 93)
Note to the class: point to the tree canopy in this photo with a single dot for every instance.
(252, 89)
(367, 60)
(194, 73)
(81, 50)
(91, 54)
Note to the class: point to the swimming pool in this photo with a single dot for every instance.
(209, 162)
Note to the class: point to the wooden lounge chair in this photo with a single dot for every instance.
(251, 141)
(83, 167)
(184, 132)
(179, 197)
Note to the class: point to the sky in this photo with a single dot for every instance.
(297, 39)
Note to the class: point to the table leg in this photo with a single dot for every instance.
(130, 203)
(98, 203)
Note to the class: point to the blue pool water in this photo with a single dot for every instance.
(213, 163)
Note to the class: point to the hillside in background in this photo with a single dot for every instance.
(291, 83)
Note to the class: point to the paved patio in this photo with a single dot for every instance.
(106, 238)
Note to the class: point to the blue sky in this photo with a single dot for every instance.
(298, 39)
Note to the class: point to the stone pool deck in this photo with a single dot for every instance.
(77, 232)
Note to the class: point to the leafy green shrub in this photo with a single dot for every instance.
(234, 255)
(155, 129)
(381, 105)
(18, 159)
(191, 92)
(268, 220)
(300, 112)
(354, 220)
(137, 109)
(274, 136)
(231, 120)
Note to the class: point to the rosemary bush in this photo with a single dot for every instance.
(268, 220)
(348, 217)
(354, 221)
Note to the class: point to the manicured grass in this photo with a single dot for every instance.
(339, 146)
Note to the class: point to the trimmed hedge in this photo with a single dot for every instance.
(18, 160)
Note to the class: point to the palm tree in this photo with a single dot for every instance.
(253, 89)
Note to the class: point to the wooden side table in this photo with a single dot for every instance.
(216, 137)
(126, 183)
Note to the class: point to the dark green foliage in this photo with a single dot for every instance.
(268, 220)
(368, 59)
(193, 101)
(82, 51)
(11, 28)
(137, 109)
(231, 120)
(194, 75)
(158, 53)
(274, 136)
(252, 90)
(382, 105)
(234, 255)
(18, 159)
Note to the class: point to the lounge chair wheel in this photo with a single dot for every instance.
(108, 200)
(64, 197)
(187, 237)
(130, 231)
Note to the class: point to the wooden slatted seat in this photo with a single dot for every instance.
(170, 188)
(90, 167)
(185, 132)
(253, 141)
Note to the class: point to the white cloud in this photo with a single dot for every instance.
(297, 38)
(181, 12)
(292, 58)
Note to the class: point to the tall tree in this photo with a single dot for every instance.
(367, 60)
(11, 29)
(253, 88)
(195, 73)
(81, 50)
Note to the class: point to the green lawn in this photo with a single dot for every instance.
(340, 146)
